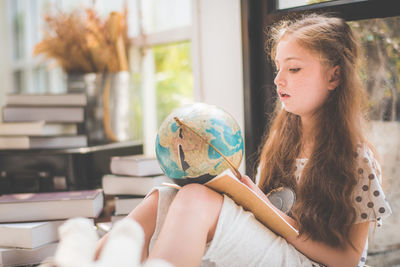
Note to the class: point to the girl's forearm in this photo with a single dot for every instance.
(326, 254)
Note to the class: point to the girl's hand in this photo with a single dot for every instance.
(250, 184)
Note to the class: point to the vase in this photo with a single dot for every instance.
(107, 113)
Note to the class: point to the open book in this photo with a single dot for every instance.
(226, 183)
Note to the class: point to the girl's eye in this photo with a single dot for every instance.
(294, 70)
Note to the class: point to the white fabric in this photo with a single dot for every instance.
(239, 240)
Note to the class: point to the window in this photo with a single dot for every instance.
(174, 80)
(29, 75)
(282, 4)
(160, 35)
(378, 24)
(161, 44)
(380, 42)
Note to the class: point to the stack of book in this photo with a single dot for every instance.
(40, 121)
(29, 222)
(131, 178)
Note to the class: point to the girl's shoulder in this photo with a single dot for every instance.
(369, 198)
(367, 162)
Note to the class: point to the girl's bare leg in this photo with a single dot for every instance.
(190, 223)
(146, 215)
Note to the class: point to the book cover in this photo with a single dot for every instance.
(37, 128)
(135, 165)
(42, 142)
(43, 113)
(124, 205)
(46, 100)
(131, 185)
(29, 234)
(51, 206)
(226, 183)
(23, 256)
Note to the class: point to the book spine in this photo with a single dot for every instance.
(53, 114)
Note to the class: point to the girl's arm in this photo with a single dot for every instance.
(318, 251)
(333, 256)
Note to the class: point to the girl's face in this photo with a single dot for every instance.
(303, 82)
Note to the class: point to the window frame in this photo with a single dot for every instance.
(145, 42)
(258, 72)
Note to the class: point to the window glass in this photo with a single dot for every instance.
(380, 39)
(71, 5)
(161, 15)
(173, 75)
(380, 72)
(133, 18)
(18, 23)
(282, 4)
(104, 7)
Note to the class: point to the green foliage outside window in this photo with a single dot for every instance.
(174, 79)
(136, 106)
(380, 43)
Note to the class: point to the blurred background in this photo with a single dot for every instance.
(183, 51)
(180, 51)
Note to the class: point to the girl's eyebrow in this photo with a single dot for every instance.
(292, 58)
(288, 59)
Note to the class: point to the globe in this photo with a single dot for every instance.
(195, 142)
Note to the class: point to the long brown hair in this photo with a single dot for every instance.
(324, 208)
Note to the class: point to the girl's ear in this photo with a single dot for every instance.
(334, 78)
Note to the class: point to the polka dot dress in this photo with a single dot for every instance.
(370, 201)
(368, 197)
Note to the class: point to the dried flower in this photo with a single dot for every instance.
(81, 42)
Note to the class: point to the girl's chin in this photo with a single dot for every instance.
(288, 109)
(292, 111)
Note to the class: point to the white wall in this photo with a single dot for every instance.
(218, 56)
(5, 79)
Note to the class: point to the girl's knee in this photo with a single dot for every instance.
(201, 204)
(198, 197)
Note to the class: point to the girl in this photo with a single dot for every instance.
(315, 146)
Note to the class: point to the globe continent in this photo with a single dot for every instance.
(185, 157)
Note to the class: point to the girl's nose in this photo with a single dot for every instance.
(279, 80)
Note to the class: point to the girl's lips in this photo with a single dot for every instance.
(283, 96)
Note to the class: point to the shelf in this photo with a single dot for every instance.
(77, 150)
(45, 170)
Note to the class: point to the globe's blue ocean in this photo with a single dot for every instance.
(164, 158)
(228, 142)
(185, 157)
